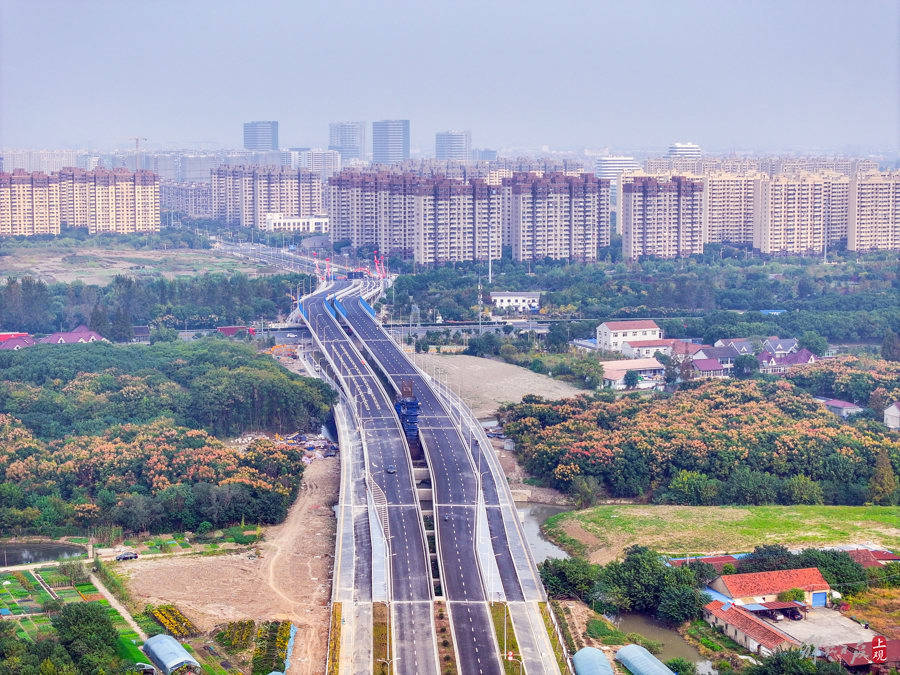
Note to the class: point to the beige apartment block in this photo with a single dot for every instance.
(433, 219)
(874, 220)
(244, 195)
(662, 216)
(793, 214)
(730, 205)
(563, 216)
(118, 201)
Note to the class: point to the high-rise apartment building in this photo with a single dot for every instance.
(192, 199)
(38, 160)
(433, 219)
(874, 218)
(484, 155)
(262, 135)
(730, 205)
(348, 139)
(326, 163)
(793, 214)
(390, 141)
(661, 216)
(684, 150)
(244, 195)
(118, 201)
(555, 215)
(453, 145)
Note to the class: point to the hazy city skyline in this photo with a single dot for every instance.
(767, 76)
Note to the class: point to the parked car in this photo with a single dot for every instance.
(793, 614)
(128, 555)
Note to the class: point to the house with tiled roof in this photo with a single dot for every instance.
(772, 364)
(892, 415)
(780, 346)
(742, 346)
(872, 558)
(611, 335)
(17, 342)
(842, 408)
(856, 657)
(725, 355)
(746, 629)
(82, 334)
(635, 349)
(758, 587)
(705, 369)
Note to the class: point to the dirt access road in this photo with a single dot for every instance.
(292, 579)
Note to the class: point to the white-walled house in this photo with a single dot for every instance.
(612, 335)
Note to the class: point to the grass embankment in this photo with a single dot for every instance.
(558, 650)
(381, 638)
(506, 636)
(878, 608)
(603, 532)
(446, 654)
(334, 640)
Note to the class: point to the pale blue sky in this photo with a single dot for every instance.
(756, 74)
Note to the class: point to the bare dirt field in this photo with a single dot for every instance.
(484, 384)
(99, 266)
(291, 580)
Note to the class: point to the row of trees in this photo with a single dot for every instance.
(740, 441)
(669, 287)
(217, 385)
(30, 305)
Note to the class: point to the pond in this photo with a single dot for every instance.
(532, 517)
(673, 644)
(23, 552)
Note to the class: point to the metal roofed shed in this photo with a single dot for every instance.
(641, 662)
(591, 661)
(168, 655)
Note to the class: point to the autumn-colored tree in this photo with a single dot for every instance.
(879, 400)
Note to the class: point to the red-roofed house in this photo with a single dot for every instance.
(857, 657)
(886, 556)
(757, 587)
(717, 561)
(230, 331)
(611, 335)
(82, 334)
(705, 369)
(10, 336)
(17, 342)
(842, 408)
(746, 629)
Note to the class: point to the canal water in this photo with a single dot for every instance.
(532, 517)
(673, 644)
(24, 552)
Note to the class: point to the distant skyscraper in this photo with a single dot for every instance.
(348, 138)
(455, 145)
(390, 141)
(261, 135)
(612, 166)
(684, 150)
(484, 155)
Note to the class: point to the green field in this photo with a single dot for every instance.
(603, 532)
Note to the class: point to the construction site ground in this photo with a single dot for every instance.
(290, 580)
(484, 383)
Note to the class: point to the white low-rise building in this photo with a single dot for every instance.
(612, 335)
(277, 222)
(523, 301)
(650, 373)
